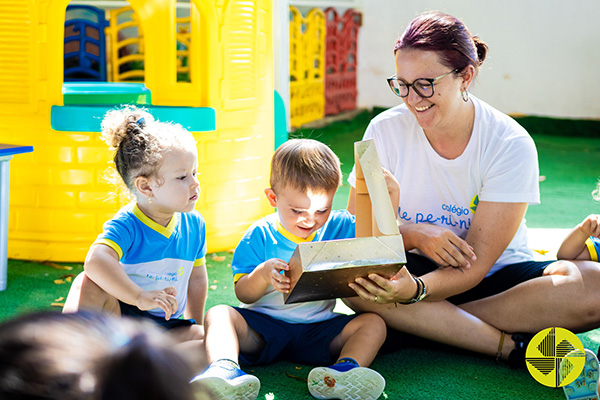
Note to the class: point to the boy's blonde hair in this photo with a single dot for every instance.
(305, 165)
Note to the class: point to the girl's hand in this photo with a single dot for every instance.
(444, 247)
(591, 226)
(400, 288)
(164, 299)
(274, 273)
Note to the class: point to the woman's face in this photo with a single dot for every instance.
(441, 110)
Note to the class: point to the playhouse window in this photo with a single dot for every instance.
(183, 26)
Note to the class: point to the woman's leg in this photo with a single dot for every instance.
(439, 321)
(567, 295)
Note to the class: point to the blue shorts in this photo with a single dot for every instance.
(301, 343)
(134, 312)
(500, 281)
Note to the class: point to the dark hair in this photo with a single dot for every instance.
(446, 35)
(305, 164)
(87, 355)
(139, 141)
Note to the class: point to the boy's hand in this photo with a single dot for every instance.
(591, 225)
(164, 299)
(274, 273)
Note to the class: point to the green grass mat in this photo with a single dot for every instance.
(423, 372)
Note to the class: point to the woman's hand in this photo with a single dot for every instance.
(164, 299)
(274, 273)
(443, 246)
(399, 288)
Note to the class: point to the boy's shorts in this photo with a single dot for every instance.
(134, 312)
(301, 343)
(500, 281)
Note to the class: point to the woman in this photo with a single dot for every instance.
(467, 173)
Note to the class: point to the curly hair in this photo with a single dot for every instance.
(139, 141)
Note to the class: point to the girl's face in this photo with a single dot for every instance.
(175, 187)
(439, 111)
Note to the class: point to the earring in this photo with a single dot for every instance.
(150, 200)
(465, 95)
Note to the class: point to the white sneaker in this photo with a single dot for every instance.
(585, 386)
(357, 383)
(228, 383)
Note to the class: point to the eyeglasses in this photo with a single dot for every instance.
(422, 86)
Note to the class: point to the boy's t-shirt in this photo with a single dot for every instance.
(266, 239)
(154, 256)
(593, 246)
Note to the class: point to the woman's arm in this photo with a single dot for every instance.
(103, 268)
(197, 291)
(492, 228)
(573, 247)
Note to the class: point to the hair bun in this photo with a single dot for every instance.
(482, 49)
(120, 125)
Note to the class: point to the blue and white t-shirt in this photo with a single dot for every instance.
(154, 256)
(267, 239)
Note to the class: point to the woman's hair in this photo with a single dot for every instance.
(87, 355)
(305, 164)
(446, 35)
(139, 141)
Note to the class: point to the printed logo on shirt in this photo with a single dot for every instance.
(555, 357)
(169, 277)
(474, 203)
(181, 271)
(450, 216)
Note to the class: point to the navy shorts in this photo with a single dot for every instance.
(134, 312)
(500, 281)
(301, 343)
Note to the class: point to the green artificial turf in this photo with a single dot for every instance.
(422, 372)
(567, 154)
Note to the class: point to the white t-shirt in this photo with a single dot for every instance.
(499, 164)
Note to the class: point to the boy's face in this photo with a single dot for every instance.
(301, 214)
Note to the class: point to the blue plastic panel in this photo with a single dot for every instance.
(89, 118)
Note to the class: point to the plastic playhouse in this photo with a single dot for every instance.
(213, 75)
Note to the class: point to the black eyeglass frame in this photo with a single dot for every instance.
(409, 85)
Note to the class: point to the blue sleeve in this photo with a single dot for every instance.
(593, 245)
(249, 253)
(117, 233)
(341, 225)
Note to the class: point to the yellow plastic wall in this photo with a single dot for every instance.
(59, 198)
(307, 66)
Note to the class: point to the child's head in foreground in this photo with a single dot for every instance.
(305, 175)
(157, 161)
(87, 355)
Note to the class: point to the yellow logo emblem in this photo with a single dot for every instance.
(474, 202)
(555, 357)
(181, 271)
